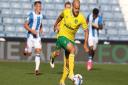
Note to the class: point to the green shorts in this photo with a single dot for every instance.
(62, 42)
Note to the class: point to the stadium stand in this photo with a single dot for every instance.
(14, 12)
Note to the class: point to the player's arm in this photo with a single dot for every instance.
(86, 34)
(61, 16)
(98, 26)
(41, 29)
(26, 26)
(87, 20)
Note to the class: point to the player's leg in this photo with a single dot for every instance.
(71, 49)
(55, 53)
(26, 50)
(90, 55)
(65, 68)
(28, 47)
(92, 46)
(38, 49)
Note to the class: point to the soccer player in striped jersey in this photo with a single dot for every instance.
(33, 25)
(95, 23)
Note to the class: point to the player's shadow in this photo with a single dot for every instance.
(96, 69)
(59, 72)
(32, 73)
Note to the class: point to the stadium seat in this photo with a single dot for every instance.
(51, 14)
(91, 1)
(114, 38)
(59, 1)
(1, 28)
(92, 6)
(83, 1)
(123, 32)
(0, 20)
(17, 12)
(48, 1)
(8, 20)
(84, 8)
(106, 8)
(27, 6)
(10, 28)
(4, 4)
(5, 12)
(20, 29)
(103, 1)
(121, 25)
(103, 37)
(110, 24)
(116, 8)
(123, 37)
(59, 6)
(118, 16)
(46, 29)
(15, 5)
(10, 34)
(112, 31)
(19, 21)
(107, 15)
(49, 6)
(23, 35)
(102, 32)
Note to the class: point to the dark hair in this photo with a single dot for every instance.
(67, 3)
(37, 2)
(96, 11)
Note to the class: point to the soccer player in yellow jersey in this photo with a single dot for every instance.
(72, 21)
(67, 5)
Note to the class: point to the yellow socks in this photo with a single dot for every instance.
(65, 72)
(71, 66)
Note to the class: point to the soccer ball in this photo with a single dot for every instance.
(78, 79)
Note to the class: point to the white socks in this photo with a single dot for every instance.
(37, 62)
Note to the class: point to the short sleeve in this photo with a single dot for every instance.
(62, 13)
(29, 18)
(100, 21)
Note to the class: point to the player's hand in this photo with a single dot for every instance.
(33, 32)
(56, 29)
(95, 25)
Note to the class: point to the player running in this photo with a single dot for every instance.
(33, 25)
(95, 23)
(72, 21)
(67, 5)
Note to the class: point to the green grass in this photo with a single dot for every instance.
(21, 73)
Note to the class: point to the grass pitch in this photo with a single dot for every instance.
(22, 73)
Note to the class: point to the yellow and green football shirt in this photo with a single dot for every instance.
(59, 25)
(71, 24)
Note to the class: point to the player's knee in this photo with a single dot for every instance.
(91, 47)
(73, 50)
(56, 53)
(29, 54)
